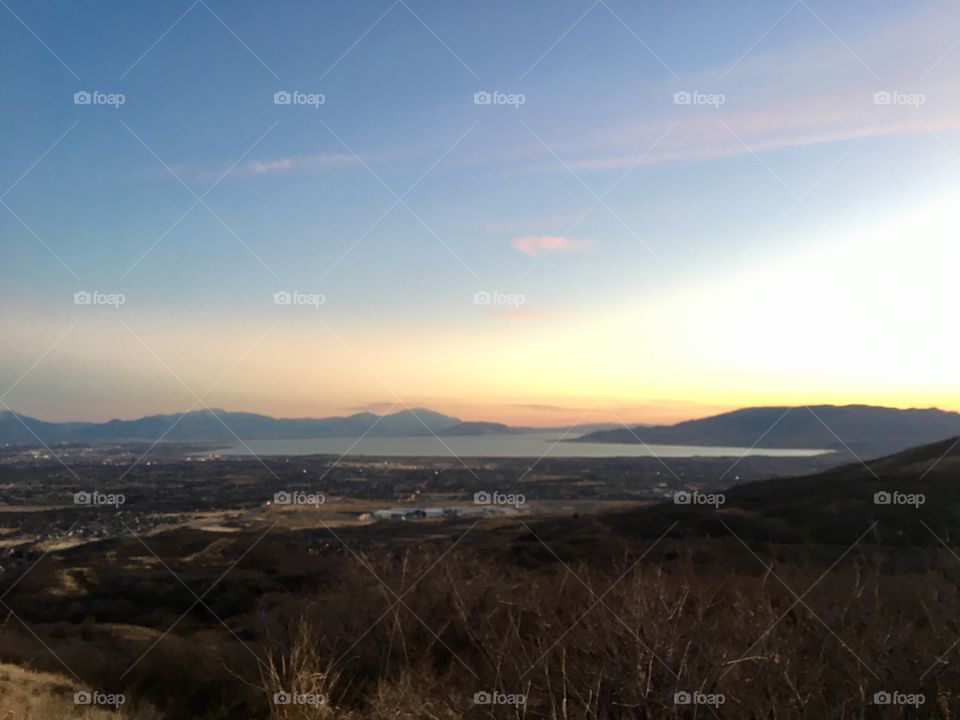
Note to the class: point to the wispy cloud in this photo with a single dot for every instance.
(895, 78)
(747, 143)
(297, 164)
(305, 164)
(534, 245)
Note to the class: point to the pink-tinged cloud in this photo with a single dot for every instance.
(534, 245)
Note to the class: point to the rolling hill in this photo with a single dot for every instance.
(802, 518)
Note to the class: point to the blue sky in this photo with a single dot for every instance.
(795, 158)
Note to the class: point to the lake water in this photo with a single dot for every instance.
(532, 445)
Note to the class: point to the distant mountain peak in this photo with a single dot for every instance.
(868, 430)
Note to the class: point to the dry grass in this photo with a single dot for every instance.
(581, 644)
(29, 695)
(603, 639)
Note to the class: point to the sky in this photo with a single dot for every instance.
(544, 213)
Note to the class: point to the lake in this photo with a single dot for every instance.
(532, 445)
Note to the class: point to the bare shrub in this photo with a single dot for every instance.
(583, 642)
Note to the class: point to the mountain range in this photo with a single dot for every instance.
(215, 425)
(220, 425)
(867, 430)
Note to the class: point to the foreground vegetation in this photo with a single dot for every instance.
(797, 598)
(584, 644)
